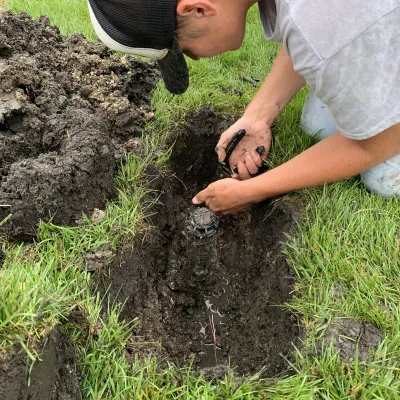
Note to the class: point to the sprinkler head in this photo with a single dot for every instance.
(203, 223)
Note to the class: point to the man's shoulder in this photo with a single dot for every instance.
(329, 26)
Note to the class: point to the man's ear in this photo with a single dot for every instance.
(199, 8)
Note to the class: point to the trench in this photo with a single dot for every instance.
(208, 301)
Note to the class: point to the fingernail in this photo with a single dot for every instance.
(195, 201)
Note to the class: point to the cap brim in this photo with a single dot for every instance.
(174, 70)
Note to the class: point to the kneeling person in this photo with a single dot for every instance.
(347, 51)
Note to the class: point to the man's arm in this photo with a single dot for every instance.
(280, 86)
(333, 159)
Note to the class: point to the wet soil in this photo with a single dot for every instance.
(52, 378)
(68, 109)
(217, 300)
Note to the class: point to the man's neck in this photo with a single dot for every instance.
(245, 3)
(250, 3)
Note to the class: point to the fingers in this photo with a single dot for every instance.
(234, 211)
(223, 143)
(251, 165)
(252, 159)
(243, 171)
(207, 200)
(201, 197)
(256, 159)
(220, 152)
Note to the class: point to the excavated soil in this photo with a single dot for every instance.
(216, 300)
(68, 109)
(52, 378)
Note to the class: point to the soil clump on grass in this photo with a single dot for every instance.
(354, 340)
(215, 300)
(68, 108)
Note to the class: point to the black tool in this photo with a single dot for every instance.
(223, 168)
(260, 150)
(234, 142)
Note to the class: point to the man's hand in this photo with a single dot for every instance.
(226, 196)
(245, 158)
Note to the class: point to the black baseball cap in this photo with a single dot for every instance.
(145, 28)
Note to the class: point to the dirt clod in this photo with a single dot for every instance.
(351, 338)
(97, 216)
(98, 258)
(68, 108)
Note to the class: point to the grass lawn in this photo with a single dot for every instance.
(348, 239)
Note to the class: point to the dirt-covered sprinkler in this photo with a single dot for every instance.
(202, 223)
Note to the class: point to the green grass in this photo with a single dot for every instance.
(71, 16)
(345, 254)
(42, 283)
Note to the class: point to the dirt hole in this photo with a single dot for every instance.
(217, 300)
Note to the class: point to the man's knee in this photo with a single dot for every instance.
(316, 119)
(384, 178)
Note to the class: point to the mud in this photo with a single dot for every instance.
(68, 109)
(52, 378)
(216, 300)
(352, 339)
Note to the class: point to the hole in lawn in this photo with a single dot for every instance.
(216, 299)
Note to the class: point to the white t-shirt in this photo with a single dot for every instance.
(349, 53)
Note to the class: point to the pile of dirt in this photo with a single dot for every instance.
(52, 378)
(218, 299)
(68, 109)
